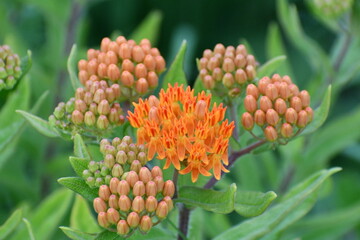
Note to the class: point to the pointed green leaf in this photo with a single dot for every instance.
(149, 28)
(48, 215)
(29, 229)
(79, 164)
(11, 223)
(77, 235)
(320, 113)
(79, 186)
(39, 124)
(259, 226)
(198, 85)
(72, 68)
(208, 199)
(176, 72)
(82, 218)
(80, 149)
(251, 204)
(26, 63)
(270, 66)
(107, 235)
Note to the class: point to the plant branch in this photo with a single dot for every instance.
(175, 180)
(232, 158)
(183, 222)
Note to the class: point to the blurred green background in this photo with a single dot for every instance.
(32, 163)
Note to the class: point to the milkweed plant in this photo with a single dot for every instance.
(155, 153)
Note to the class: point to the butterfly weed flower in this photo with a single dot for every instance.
(134, 68)
(182, 128)
(277, 108)
(10, 68)
(227, 70)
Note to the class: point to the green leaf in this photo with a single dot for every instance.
(26, 63)
(198, 85)
(77, 235)
(11, 223)
(79, 164)
(155, 233)
(208, 199)
(79, 186)
(149, 28)
(261, 225)
(72, 68)
(107, 235)
(29, 229)
(196, 223)
(320, 113)
(270, 66)
(82, 218)
(80, 149)
(176, 72)
(39, 124)
(48, 215)
(251, 204)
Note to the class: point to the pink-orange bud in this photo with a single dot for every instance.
(92, 53)
(302, 119)
(151, 188)
(125, 51)
(113, 72)
(169, 188)
(293, 89)
(160, 64)
(111, 58)
(291, 116)
(209, 82)
(113, 46)
(132, 178)
(82, 64)
(104, 44)
(259, 117)
(250, 103)
(270, 133)
(286, 130)
(162, 210)
(169, 202)
(263, 84)
(122, 227)
(138, 54)
(145, 223)
(296, 104)
(228, 80)
(102, 220)
(114, 182)
(219, 48)
(280, 106)
(310, 113)
(145, 175)
(83, 76)
(217, 74)
(265, 103)
(272, 117)
(114, 201)
(99, 205)
(228, 65)
(284, 91)
(200, 109)
(139, 188)
(250, 72)
(135, 166)
(240, 61)
(138, 204)
(140, 71)
(127, 78)
(142, 86)
(159, 183)
(149, 62)
(89, 118)
(113, 215)
(152, 79)
(123, 188)
(151, 204)
(250, 59)
(153, 101)
(80, 105)
(103, 107)
(77, 117)
(305, 98)
(247, 121)
(271, 91)
(251, 89)
(104, 192)
(116, 89)
(99, 96)
(92, 66)
(124, 203)
(156, 171)
(133, 219)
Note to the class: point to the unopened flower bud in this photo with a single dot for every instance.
(305, 98)
(113, 215)
(271, 91)
(111, 58)
(127, 78)
(99, 205)
(169, 202)
(302, 119)
(160, 64)
(131, 156)
(142, 157)
(310, 113)
(200, 109)
(270, 133)
(138, 54)
(145, 175)
(156, 171)
(145, 223)
(272, 117)
(219, 48)
(117, 170)
(121, 157)
(265, 103)
(142, 86)
(77, 117)
(247, 121)
(124, 203)
(228, 65)
(209, 82)
(151, 189)
(109, 160)
(169, 188)
(149, 62)
(102, 122)
(122, 226)
(139, 188)
(294, 89)
(105, 171)
(151, 204)
(286, 130)
(86, 173)
(228, 80)
(284, 90)
(296, 103)
(88, 98)
(138, 204)
(125, 51)
(113, 72)
(135, 166)
(250, 103)
(159, 183)
(263, 84)
(114, 182)
(291, 116)
(162, 210)
(152, 79)
(133, 219)
(89, 119)
(83, 76)
(104, 107)
(104, 192)
(102, 220)
(250, 72)
(80, 105)
(140, 71)
(153, 101)
(132, 178)
(251, 89)
(280, 106)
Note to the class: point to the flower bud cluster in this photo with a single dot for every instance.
(278, 107)
(89, 111)
(139, 201)
(10, 69)
(230, 67)
(119, 157)
(332, 8)
(135, 68)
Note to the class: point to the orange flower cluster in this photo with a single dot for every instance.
(180, 127)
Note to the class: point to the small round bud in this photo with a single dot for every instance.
(138, 204)
(162, 210)
(132, 178)
(305, 98)
(127, 78)
(294, 89)
(152, 79)
(142, 158)
(114, 182)
(160, 64)
(92, 66)
(145, 175)
(128, 65)
(156, 171)
(265, 103)
(124, 203)
(104, 192)
(139, 188)
(159, 183)
(99, 205)
(142, 86)
(263, 84)
(209, 82)
(250, 103)
(286, 130)
(135, 166)
(125, 51)
(80, 105)
(123, 188)
(102, 122)
(149, 62)
(151, 189)
(77, 117)
(122, 226)
(228, 80)
(169, 202)
(302, 119)
(113, 215)
(131, 156)
(271, 91)
(270, 133)
(259, 117)
(102, 220)
(169, 188)
(247, 121)
(121, 157)
(111, 58)
(145, 223)
(117, 170)
(284, 90)
(133, 219)
(138, 54)
(250, 72)
(291, 116)
(89, 119)
(280, 106)
(310, 113)
(296, 104)
(113, 72)
(151, 204)
(228, 65)
(104, 107)
(200, 109)
(251, 89)
(272, 117)
(140, 71)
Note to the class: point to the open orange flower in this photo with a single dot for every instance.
(181, 128)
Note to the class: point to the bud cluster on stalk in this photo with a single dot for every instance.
(10, 69)
(227, 70)
(135, 68)
(332, 8)
(90, 111)
(278, 107)
(119, 157)
(139, 200)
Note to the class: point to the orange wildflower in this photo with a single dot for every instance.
(182, 129)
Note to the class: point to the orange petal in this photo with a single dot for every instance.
(194, 175)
